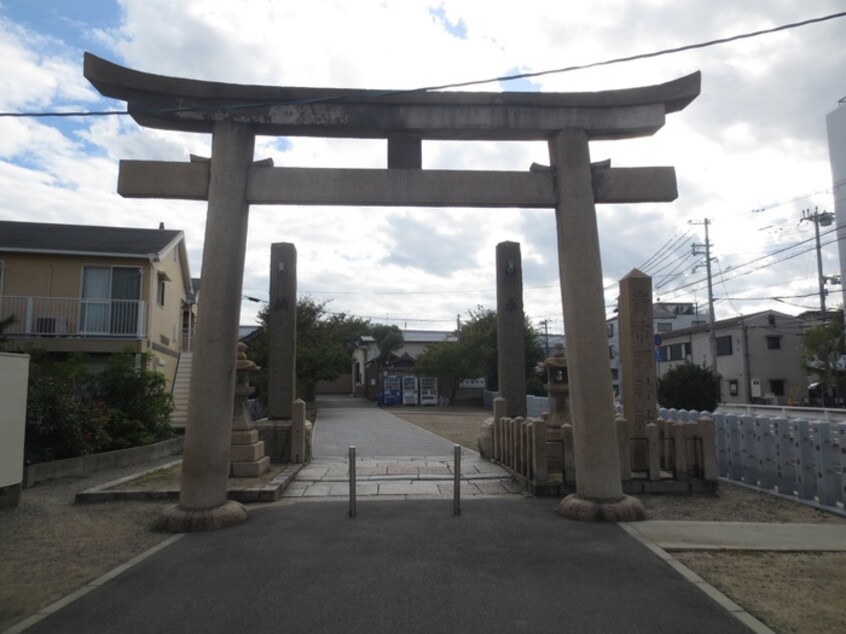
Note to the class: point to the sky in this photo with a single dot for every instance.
(750, 153)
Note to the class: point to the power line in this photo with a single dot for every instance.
(763, 257)
(505, 78)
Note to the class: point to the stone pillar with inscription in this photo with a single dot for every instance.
(637, 358)
(282, 331)
(510, 342)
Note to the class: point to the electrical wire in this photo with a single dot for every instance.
(464, 84)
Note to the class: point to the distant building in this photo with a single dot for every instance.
(759, 357)
(667, 317)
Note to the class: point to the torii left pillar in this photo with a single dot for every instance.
(203, 504)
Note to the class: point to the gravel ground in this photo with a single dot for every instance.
(51, 547)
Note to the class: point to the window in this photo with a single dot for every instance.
(733, 387)
(771, 320)
(609, 329)
(110, 300)
(724, 346)
(773, 342)
(610, 352)
(160, 292)
(665, 326)
(679, 351)
(777, 387)
(615, 374)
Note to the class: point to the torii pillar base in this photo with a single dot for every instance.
(622, 509)
(176, 519)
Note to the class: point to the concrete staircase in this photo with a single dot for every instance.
(181, 383)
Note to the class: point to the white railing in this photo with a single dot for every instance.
(77, 317)
(833, 414)
(535, 405)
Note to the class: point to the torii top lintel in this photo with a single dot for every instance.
(173, 103)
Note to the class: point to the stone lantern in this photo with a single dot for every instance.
(243, 390)
(558, 386)
(246, 452)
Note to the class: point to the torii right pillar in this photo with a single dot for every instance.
(599, 490)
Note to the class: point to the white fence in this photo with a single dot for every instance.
(535, 405)
(796, 457)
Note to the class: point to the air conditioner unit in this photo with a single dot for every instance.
(50, 326)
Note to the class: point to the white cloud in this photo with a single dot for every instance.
(754, 138)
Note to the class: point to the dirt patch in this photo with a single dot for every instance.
(461, 428)
(52, 546)
(790, 592)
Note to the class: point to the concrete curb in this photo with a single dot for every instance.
(689, 575)
(86, 465)
(111, 491)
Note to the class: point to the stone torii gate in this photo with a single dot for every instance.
(231, 181)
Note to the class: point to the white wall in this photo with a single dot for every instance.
(14, 374)
(836, 124)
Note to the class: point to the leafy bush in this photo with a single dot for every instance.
(689, 386)
(72, 411)
(61, 422)
(138, 402)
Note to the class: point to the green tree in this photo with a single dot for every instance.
(475, 353)
(388, 339)
(689, 386)
(325, 342)
(449, 362)
(824, 350)
(479, 337)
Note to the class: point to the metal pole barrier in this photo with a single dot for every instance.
(456, 487)
(352, 480)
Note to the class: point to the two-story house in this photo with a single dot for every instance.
(758, 356)
(97, 290)
(666, 317)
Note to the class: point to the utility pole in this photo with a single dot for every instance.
(698, 250)
(545, 324)
(823, 218)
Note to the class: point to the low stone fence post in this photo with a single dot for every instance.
(824, 459)
(805, 478)
(786, 470)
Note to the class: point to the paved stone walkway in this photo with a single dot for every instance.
(394, 459)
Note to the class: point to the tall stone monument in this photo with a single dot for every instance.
(233, 114)
(282, 331)
(637, 359)
(510, 339)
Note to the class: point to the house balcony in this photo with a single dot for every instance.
(48, 321)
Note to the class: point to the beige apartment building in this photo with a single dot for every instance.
(97, 290)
